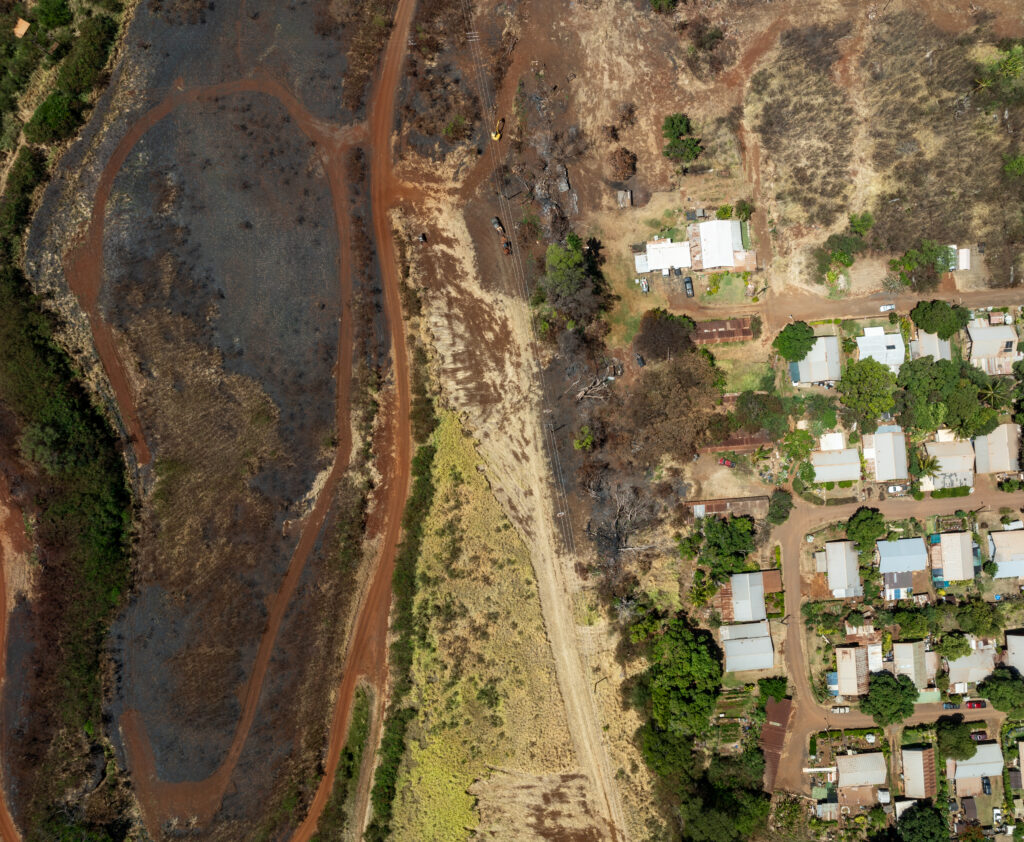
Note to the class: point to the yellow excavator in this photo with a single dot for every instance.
(498, 128)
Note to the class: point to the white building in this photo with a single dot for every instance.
(836, 465)
(748, 646)
(843, 570)
(887, 449)
(823, 362)
(886, 348)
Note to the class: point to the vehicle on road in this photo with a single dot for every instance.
(640, 360)
(497, 225)
(895, 489)
(840, 709)
(885, 308)
(499, 127)
(688, 286)
(950, 706)
(727, 462)
(973, 704)
(986, 785)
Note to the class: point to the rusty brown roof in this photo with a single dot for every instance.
(773, 736)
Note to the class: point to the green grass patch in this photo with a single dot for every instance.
(335, 817)
(743, 375)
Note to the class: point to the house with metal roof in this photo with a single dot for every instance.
(868, 769)
(929, 345)
(747, 646)
(986, 763)
(852, 666)
(902, 556)
(919, 775)
(886, 348)
(662, 254)
(957, 552)
(823, 362)
(843, 570)
(718, 244)
(956, 464)
(887, 449)
(972, 668)
(747, 597)
(908, 660)
(1007, 551)
(999, 451)
(898, 585)
(836, 465)
(1015, 649)
(993, 347)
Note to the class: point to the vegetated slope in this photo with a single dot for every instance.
(804, 122)
(484, 686)
(938, 144)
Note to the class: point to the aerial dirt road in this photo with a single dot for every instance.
(13, 542)
(808, 716)
(162, 801)
(367, 651)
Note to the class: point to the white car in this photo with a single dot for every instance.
(885, 308)
(842, 709)
(895, 489)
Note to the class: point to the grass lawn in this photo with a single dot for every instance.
(732, 289)
(743, 375)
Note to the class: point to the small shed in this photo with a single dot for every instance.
(21, 27)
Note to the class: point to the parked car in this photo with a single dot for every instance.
(727, 462)
(979, 736)
(973, 704)
(840, 709)
(639, 360)
(885, 308)
(895, 489)
(986, 786)
(688, 285)
(950, 706)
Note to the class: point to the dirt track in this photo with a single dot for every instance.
(160, 800)
(13, 541)
(808, 716)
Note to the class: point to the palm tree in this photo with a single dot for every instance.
(928, 466)
(997, 392)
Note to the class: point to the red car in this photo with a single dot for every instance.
(976, 703)
(727, 462)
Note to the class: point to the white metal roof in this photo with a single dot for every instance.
(887, 348)
(955, 457)
(1008, 553)
(665, 254)
(890, 454)
(640, 263)
(843, 570)
(987, 761)
(739, 631)
(957, 556)
(866, 769)
(1015, 649)
(720, 239)
(999, 450)
(749, 653)
(908, 660)
(833, 441)
(823, 361)
(970, 669)
(902, 556)
(929, 345)
(913, 772)
(748, 597)
(836, 465)
(991, 340)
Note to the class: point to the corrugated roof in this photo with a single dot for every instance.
(843, 570)
(999, 450)
(1008, 553)
(836, 465)
(919, 778)
(823, 361)
(890, 454)
(902, 556)
(987, 761)
(866, 769)
(929, 345)
(744, 630)
(665, 254)
(852, 666)
(749, 653)
(747, 597)
(970, 669)
(991, 340)
(957, 556)
(1015, 649)
(886, 348)
(720, 239)
(908, 658)
(955, 457)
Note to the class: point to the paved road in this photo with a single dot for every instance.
(808, 716)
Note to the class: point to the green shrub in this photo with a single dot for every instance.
(52, 13)
(55, 119)
(958, 491)
(81, 69)
(26, 173)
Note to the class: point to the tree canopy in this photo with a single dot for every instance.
(864, 527)
(1005, 689)
(867, 389)
(759, 411)
(663, 334)
(681, 144)
(953, 737)
(795, 341)
(890, 698)
(920, 268)
(780, 504)
(923, 822)
(940, 318)
(685, 678)
(945, 393)
(953, 646)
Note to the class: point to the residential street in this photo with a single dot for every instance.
(808, 716)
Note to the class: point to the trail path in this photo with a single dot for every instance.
(13, 542)
(808, 716)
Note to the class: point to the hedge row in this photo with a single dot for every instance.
(958, 491)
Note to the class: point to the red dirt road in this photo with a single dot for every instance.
(160, 800)
(13, 541)
(367, 651)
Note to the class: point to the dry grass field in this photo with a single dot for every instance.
(484, 677)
